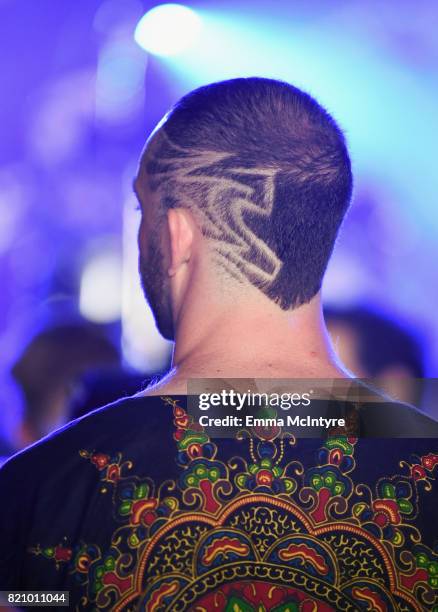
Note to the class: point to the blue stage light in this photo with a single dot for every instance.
(168, 29)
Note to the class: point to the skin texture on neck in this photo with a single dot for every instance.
(248, 338)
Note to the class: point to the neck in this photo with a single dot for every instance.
(252, 338)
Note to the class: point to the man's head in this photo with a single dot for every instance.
(254, 176)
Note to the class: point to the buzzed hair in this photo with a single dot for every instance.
(266, 172)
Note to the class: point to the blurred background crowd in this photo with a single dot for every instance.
(82, 85)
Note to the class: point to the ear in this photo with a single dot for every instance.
(180, 225)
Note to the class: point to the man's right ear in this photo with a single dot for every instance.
(181, 234)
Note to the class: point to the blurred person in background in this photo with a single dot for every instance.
(372, 345)
(49, 367)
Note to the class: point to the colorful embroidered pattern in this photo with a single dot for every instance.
(261, 534)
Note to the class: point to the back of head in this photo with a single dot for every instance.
(266, 173)
(49, 366)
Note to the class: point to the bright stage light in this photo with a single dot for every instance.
(100, 290)
(167, 29)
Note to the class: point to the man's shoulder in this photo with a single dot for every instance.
(393, 419)
(106, 426)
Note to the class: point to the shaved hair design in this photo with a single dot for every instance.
(266, 173)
